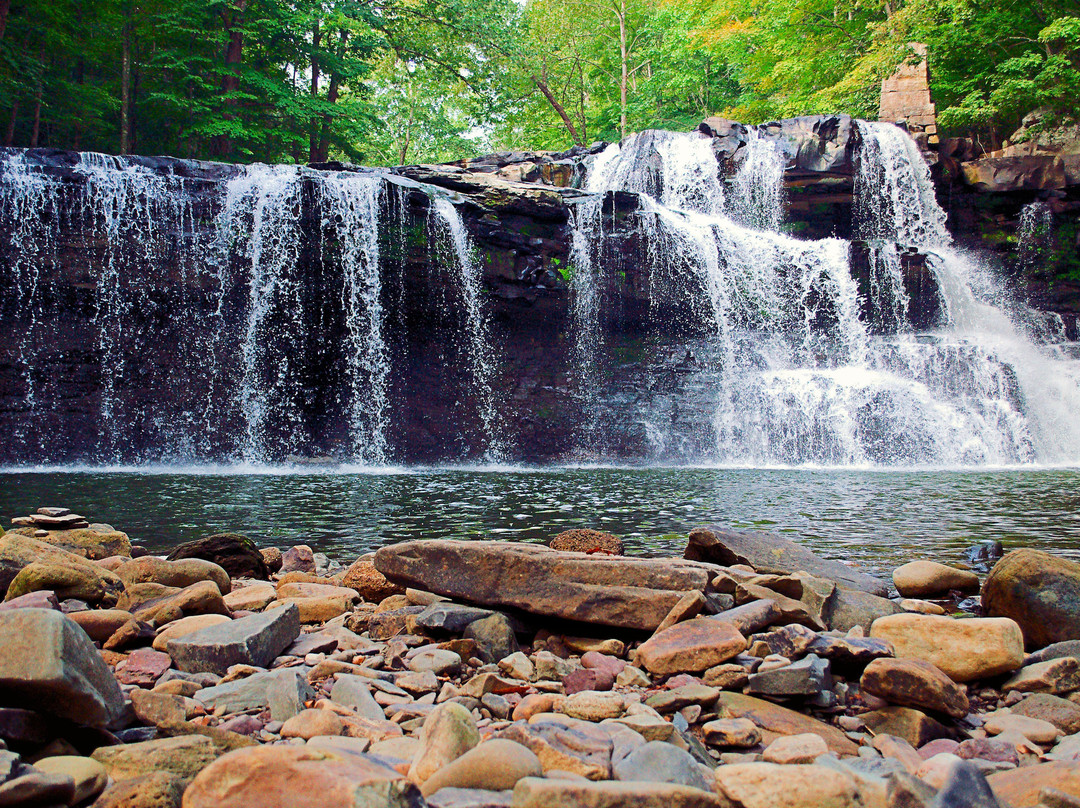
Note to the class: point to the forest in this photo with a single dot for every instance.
(407, 81)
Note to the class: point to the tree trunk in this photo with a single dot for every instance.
(542, 86)
(314, 131)
(332, 94)
(125, 83)
(35, 132)
(5, 7)
(221, 145)
(9, 136)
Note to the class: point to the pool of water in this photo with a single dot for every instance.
(874, 519)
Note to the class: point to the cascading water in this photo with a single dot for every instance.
(1034, 235)
(287, 265)
(757, 188)
(481, 360)
(795, 370)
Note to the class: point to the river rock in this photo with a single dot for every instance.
(1062, 713)
(535, 792)
(634, 593)
(253, 640)
(158, 709)
(235, 554)
(299, 558)
(173, 573)
(592, 705)
(578, 748)
(968, 649)
(185, 626)
(1021, 788)
(1056, 676)
(284, 691)
(185, 756)
(199, 598)
(914, 726)
(914, 683)
(355, 692)
(451, 618)
(805, 748)
(927, 579)
(449, 731)
(494, 635)
(768, 553)
(494, 765)
(313, 723)
(807, 677)
(49, 661)
(253, 598)
(692, 646)
(315, 610)
(732, 732)
(750, 617)
(87, 542)
(660, 762)
(771, 785)
(100, 624)
(157, 790)
(1034, 729)
(287, 777)
(18, 551)
(585, 540)
(90, 777)
(774, 720)
(369, 583)
(1041, 592)
(846, 608)
(143, 667)
(23, 785)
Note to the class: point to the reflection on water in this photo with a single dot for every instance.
(872, 518)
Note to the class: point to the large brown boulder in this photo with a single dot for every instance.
(1039, 591)
(768, 553)
(633, 593)
(584, 540)
(235, 554)
(965, 650)
(775, 721)
(87, 542)
(691, 647)
(18, 552)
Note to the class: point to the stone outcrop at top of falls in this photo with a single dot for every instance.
(781, 294)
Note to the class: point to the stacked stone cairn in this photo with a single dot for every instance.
(750, 673)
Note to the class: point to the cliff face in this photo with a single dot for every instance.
(160, 309)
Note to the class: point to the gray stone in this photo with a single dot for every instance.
(283, 691)
(846, 650)
(354, 691)
(26, 786)
(451, 618)
(965, 787)
(49, 662)
(253, 640)
(751, 617)
(807, 677)
(847, 608)
(768, 553)
(1068, 648)
(661, 762)
(495, 636)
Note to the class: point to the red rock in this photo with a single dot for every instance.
(143, 667)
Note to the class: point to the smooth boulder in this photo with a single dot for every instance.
(965, 650)
(691, 646)
(1040, 591)
(235, 554)
(914, 683)
(926, 579)
(633, 593)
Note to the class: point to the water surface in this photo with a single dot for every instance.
(875, 519)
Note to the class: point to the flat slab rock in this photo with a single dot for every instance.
(633, 593)
(771, 554)
(253, 640)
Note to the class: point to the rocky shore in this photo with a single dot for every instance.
(750, 673)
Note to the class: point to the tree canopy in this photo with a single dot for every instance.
(390, 81)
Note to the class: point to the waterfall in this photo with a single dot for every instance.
(351, 207)
(757, 198)
(1034, 234)
(481, 352)
(794, 369)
